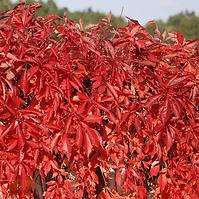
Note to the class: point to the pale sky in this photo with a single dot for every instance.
(141, 10)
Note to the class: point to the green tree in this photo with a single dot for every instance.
(90, 17)
(5, 5)
(185, 22)
(49, 8)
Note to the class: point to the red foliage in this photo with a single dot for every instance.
(101, 113)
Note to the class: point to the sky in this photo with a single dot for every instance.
(141, 10)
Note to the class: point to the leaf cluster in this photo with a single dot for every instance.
(98, 113)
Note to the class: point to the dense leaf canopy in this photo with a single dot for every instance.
(96, 112)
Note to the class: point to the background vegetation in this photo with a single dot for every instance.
(185, 22)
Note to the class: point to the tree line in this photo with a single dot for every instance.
(185, 22)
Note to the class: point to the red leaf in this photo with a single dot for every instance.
(82, 107)
(51, 18)
(74, 85)
(170, 137)
(107, 99)
(102, 107)
(33, 129)
(180, 38)
(176, 108)
(36, 155)
(87, 145)
(9, 129)
(47, 167)
(134, 30)
(173, 131)
(11, 56)
(79, 137)
(10, 85)
(25, 18)
(23, 180)
(162, 182)
(155, 170)
(177, 80)
(9, 107)
(69, 189)
(21, 138)
(21, 155)
(152, 100)
(112, 117)
(165, 112)
(56, 103)
(68, 123)
(66, 145)
(138, 125)
(113, 91)
(54, 141)
(94, 136)
(54, 165)
(195, 93)
(102, 89)
(12, 145)
(1, 170)
(32, 111)
(3, 90)
(111, 48)
(93, 119)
